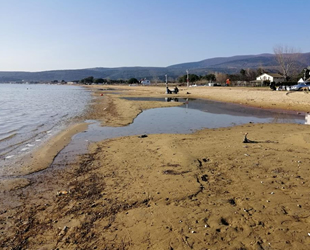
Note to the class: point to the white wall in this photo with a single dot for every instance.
(146, 82)
(266, 77)
(301, 80)
(307, 118)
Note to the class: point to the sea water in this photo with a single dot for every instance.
(31, 113)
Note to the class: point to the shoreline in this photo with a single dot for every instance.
(198, 190)
(113, 104)
(38, 129)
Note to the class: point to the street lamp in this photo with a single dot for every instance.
(187, 79)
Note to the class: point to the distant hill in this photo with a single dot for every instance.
(265, 61)
(219, 64)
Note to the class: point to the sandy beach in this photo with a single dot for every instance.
(206, 190)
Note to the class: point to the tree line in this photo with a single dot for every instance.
(91, 79)
(218, 77)
(243, 75)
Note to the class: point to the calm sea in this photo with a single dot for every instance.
(31, 113)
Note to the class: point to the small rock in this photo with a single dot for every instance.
(142, 136)
(62, 192)
(64, 230)
(204, 177)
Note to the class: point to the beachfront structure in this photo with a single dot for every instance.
(145, 82)
(301, 80)
(272, 77)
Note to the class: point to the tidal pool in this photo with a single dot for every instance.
(194, 114)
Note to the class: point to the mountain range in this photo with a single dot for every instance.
(229, 65)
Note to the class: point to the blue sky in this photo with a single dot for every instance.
(72, 34)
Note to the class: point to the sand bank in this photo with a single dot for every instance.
(261, 98)
(206, 190)
(256, 97)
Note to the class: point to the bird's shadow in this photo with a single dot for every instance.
(246, 140)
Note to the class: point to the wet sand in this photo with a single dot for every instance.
(206, 190)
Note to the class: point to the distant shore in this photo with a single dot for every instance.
(203, 190)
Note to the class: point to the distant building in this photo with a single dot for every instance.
(301, 80)
(145, 82)
(272, 77)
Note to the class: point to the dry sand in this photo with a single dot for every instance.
(206, 190)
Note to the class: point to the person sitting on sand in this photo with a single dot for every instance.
(176, 90)
(168, 91)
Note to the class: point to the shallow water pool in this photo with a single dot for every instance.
(194, 114)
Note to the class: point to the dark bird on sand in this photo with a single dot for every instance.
(246, 140)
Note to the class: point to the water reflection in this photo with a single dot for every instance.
(169, 99)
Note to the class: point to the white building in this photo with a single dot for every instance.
(145, 82)
(300, 80)
(272, 77)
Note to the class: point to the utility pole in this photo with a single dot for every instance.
(166, 80)
(187, 79)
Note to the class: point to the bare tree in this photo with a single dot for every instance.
(287, 58)
(220, 77)
(251, 74)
